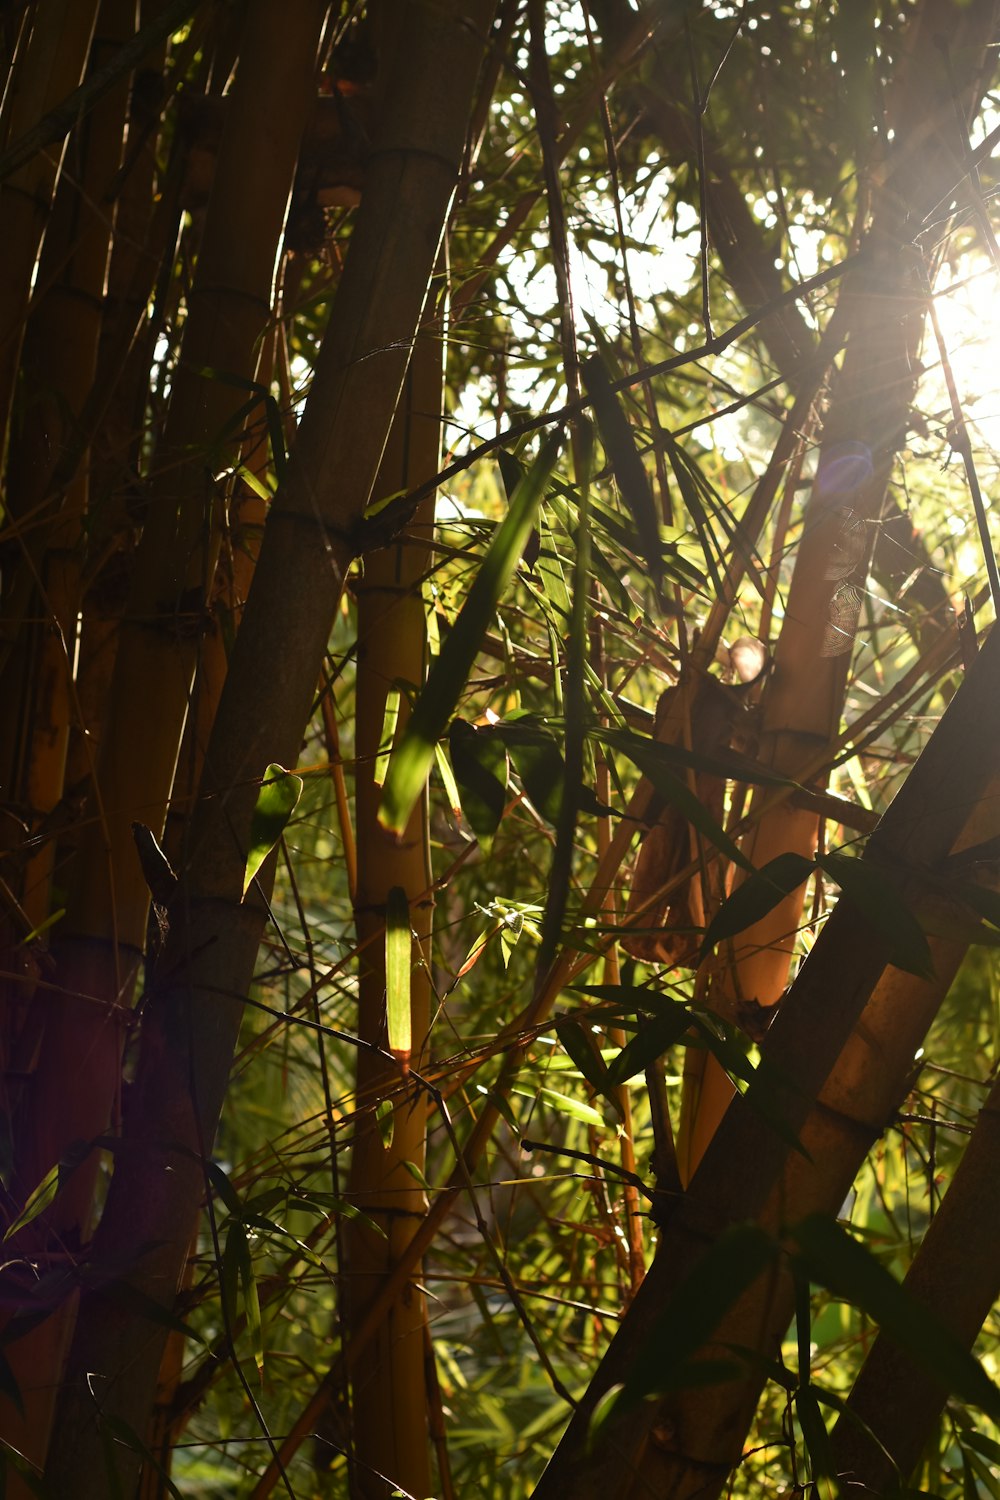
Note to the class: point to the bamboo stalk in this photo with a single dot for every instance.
(192, 1018)
(696, 1442)
(863, 430)
(105, 922)
(53, 65)
(389, 1395)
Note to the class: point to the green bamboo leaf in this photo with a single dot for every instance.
(417, 1175)
(655, 1037)
(238, 1268)
(398, 963)
(412, 758)
(13, 1461)
(51, 1184)
(984, 902)
(510, 935)
(695, 491)
(38, 1200)
(385, 1119)
(835, 1259)
(501, 1104)
(623, 455)
(479, 761)
(765, 1086)
(330, 1205)
(228, 1195)
(564, 1103)
(390, 718)
(534, 746)
(987, 1446)
(647, 755)
(586, 1057)
(814, 1433)
(727, 763)
(280, 791)
(447, 776)
(875, 895)
(538, 762)
(625, 998)
(758, 895)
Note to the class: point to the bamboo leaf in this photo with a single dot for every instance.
(564, 1104)
(412, 759)
(280, 791)
(586, 1057)
(814, 1433)
(51, 1184)
(385, 1119)
(398, 963)
(654, 1038)
(648, 756)
(759, 894)
(537, 761)
(38, 1200)
(122, 1432)
(987, 1446)
(390, 718)
(448, 778)
(479, 761)
(664, 1359)
(623, 455)
(727, 763)
(333, 1206)
(237, 1250)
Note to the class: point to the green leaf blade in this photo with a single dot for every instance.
(412, 760)
(280, 791)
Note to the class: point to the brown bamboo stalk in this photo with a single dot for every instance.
(687, 1444)
(193, 1016)
(229, 305)
(955, 1275)
(54, 62)
(58, 368)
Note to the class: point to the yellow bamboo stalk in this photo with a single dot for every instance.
(389, 1406)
